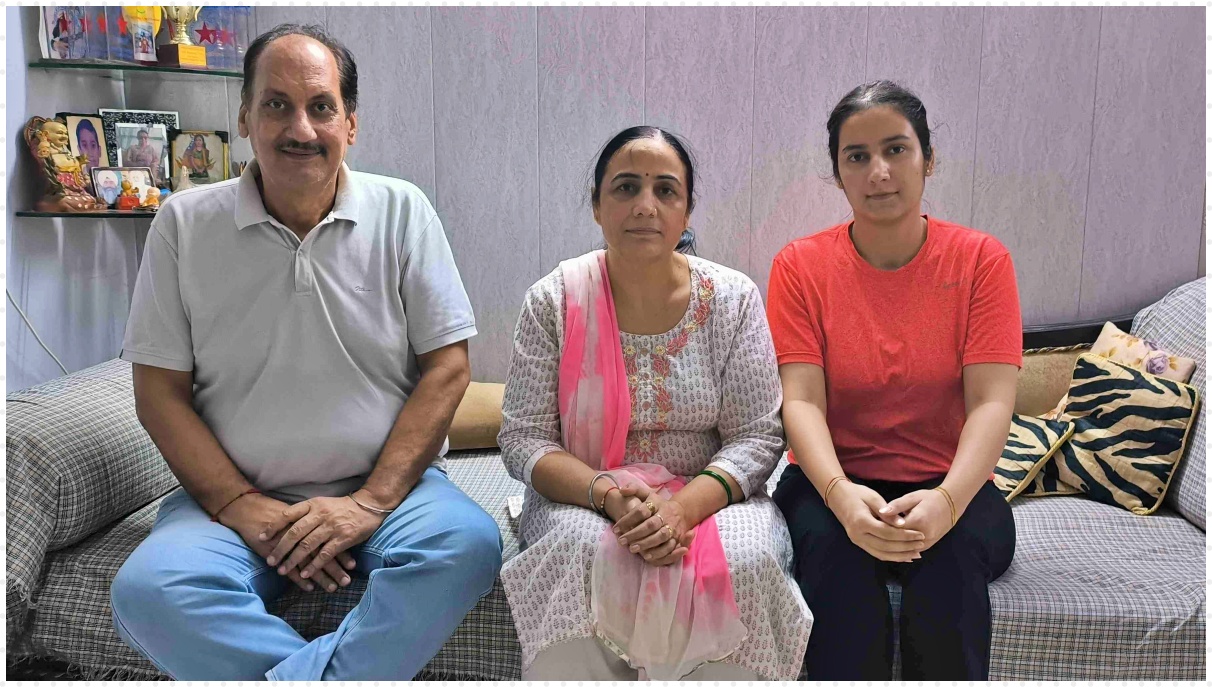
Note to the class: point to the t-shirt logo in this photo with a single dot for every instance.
(361, 289)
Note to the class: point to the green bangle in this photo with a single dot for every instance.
(723, 482)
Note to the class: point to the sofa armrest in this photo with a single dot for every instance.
(77, 459)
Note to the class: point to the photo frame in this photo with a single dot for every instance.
(143, 145)
(62, 33)
(111, 117)
(86, 136)
(108, 182)
(197, 157)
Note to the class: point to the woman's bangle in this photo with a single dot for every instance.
(950, 503)
(593, 504)
(833, 483)
(723, 482)
(254, 490)
(608, 490)
(370, 509)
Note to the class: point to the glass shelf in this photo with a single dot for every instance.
(119, 72)
(99, 214)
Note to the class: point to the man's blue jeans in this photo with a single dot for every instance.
(192, 596)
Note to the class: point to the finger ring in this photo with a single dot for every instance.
(651, 507)
(668, 530)
(658, 515)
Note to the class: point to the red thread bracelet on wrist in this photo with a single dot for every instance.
(215, 517)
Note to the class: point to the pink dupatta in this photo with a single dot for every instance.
(665, 620)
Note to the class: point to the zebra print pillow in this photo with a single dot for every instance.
(1029, 448)
(1047, 481)
(1132, 429)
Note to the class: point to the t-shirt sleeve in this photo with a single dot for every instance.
(435, 303)
(995, 320)
(157, 331)
(794, 326)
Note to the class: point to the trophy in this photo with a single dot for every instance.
(181, 51)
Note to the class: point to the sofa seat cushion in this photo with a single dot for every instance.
(1096, 592)
(76, 459)
(71, 618)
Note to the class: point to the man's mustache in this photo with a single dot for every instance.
(296, 147)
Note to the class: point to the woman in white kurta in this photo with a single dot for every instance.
(704, 395)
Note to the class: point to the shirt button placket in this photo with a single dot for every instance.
(302, 271)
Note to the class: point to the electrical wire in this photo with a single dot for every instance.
(34, 331)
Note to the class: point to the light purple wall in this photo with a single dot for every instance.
(1071, 134)
(1074, 135)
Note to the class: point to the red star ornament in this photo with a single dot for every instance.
(101, 23)
(121, 24)
(206, 34)
(226, 37)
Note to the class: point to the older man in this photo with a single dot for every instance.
(299, 345)
(142, 154)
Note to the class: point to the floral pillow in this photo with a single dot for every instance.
(1136, 353)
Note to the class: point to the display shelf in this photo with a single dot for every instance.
(99, 214)
(120, 71)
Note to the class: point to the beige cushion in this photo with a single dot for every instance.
(1043, 381)
(478, 418)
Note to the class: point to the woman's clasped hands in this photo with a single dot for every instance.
(649, 525)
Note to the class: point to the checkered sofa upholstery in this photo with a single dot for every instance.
(1094, 592)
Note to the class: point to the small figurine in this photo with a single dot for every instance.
(152, 202)
(65, 186)
(129, 198)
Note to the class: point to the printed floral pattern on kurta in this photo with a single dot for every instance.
(704, 393)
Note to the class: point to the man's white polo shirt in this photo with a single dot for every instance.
(303, 353)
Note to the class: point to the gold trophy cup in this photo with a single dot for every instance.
(181, 51)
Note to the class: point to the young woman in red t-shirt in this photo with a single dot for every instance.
(899, 340)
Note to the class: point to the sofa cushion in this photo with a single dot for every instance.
(1131, 429)
(1043, 380)
(1079, 601)
(1177, 323)
(1096, 592)
(1136, 353)
(1047, 481)
(1030, 445)
(477, 420)
(76, 460)
(71, 619)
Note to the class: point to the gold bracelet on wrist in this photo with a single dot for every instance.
(950, 503)
(833, 483)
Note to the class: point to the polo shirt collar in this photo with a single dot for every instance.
(250, 208)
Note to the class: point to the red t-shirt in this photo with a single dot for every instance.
(893, 344)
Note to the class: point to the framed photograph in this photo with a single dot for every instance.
(86, 136)
(197, 157)
(62, 33)
(108, 182)
(144, 40)
(111, 118)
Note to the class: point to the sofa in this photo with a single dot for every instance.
(1094, 591)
